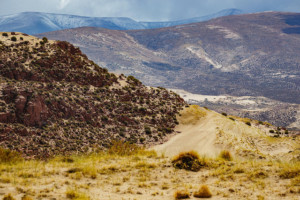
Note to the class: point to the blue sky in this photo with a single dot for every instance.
(145, 10)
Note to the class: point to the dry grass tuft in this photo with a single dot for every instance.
(182, 194)
(226, 155)
(8, 156)
(124, 148)
(189, 161)
(76, 195)
(26, 198)
(192, 115)
(203, 192)
(8, 197)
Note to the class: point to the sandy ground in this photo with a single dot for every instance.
(200, 137)
(214, 132)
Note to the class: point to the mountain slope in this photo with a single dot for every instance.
(243, 55)
(254, 55)
(37, 22)
(53, 100)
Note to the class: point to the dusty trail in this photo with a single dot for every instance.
(199, 137)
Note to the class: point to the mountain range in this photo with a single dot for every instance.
(239, 55)
(37, 22)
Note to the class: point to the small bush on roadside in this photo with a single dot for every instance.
(203, 192)
(188, 161)
(226, 155)
(182, 194)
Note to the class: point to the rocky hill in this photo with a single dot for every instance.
(243, 55)
(54, 100)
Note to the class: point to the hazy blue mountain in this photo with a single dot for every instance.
(222, 13)
(37, 22)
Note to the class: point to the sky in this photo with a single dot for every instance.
(145, 10)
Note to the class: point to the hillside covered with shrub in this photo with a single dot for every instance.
(54, 100)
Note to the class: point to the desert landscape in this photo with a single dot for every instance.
(187, 105)
(238, 162)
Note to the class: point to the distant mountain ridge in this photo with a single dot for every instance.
(38, 22)
(240, 55)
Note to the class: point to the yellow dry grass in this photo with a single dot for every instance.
(192, 115)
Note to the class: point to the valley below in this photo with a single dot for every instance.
(260, 108)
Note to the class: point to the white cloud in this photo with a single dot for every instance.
(63, 4)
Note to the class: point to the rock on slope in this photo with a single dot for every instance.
(53, 100)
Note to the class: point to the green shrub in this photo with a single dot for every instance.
(13, 38)
(45, 40)
(271, 131)
(225, 114)
(203, 192)
(188, 161)
(147, 130)
(134, 80)
(248, 123)
(4, 34)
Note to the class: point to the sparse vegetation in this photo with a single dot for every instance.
(5, 34)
